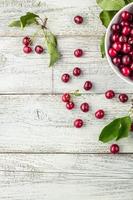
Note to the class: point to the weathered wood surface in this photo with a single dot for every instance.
(60, 17)
(41, 155)
(66, 176)
(41, 123)
(20, 73)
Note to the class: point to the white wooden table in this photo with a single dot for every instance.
(42, 157)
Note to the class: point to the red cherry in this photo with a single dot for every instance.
(110, 94)
(125, 71)
(27, 49)
(114, 149)
(131, 67)
(124, 23)
(65, 78)
(112, 52)
(130, 40)
(78, 123)
(78, 19)
(70, 105)
(84, 107)
(39, 49)
(126, 48)
(66, 97)
(26, 41)
(76, 71)
(99, 114)
(117, 46)
(126, 30)
(78, 52)
(87, 85)
(116, 27)
(126, 60)
(116, 61)
(115, 37)
(126, 16)
(123, 98)
(122, 39)
(131, 54)
(131, 32)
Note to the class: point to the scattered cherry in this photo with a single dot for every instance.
(70, 105)
(26, 41)
(84, 107)
(78, 52)
(78, 19)
(66, 97)
(78, 123)
(99, 114)
(114, 149)
(109, 94)
(76, 71)
(87, 85)
(39, 49)
(123, 98)
(27, 49)
(65, 78)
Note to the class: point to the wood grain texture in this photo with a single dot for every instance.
(41, 123)
(57, 12)
(20, 73)
(66, 176)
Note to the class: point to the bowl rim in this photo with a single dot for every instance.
(126, 79)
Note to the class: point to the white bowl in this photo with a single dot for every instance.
(115, 19)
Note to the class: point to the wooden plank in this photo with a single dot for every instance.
(66, 176)
(60, 16)
(41, 123)
(20, 73)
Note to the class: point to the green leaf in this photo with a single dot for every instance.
(102, 46)
(110, 131)
(125, 127)
(15, 23)
(52, 48)
(29, 18)
(111, 4)
(117, 129)
(106, 17)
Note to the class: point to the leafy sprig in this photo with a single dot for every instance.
(117, 129)
(49, 37)
(109, 9)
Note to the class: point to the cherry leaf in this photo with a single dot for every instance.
(29, 18)
(52, 48)
(117, 129)
(111, 4)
